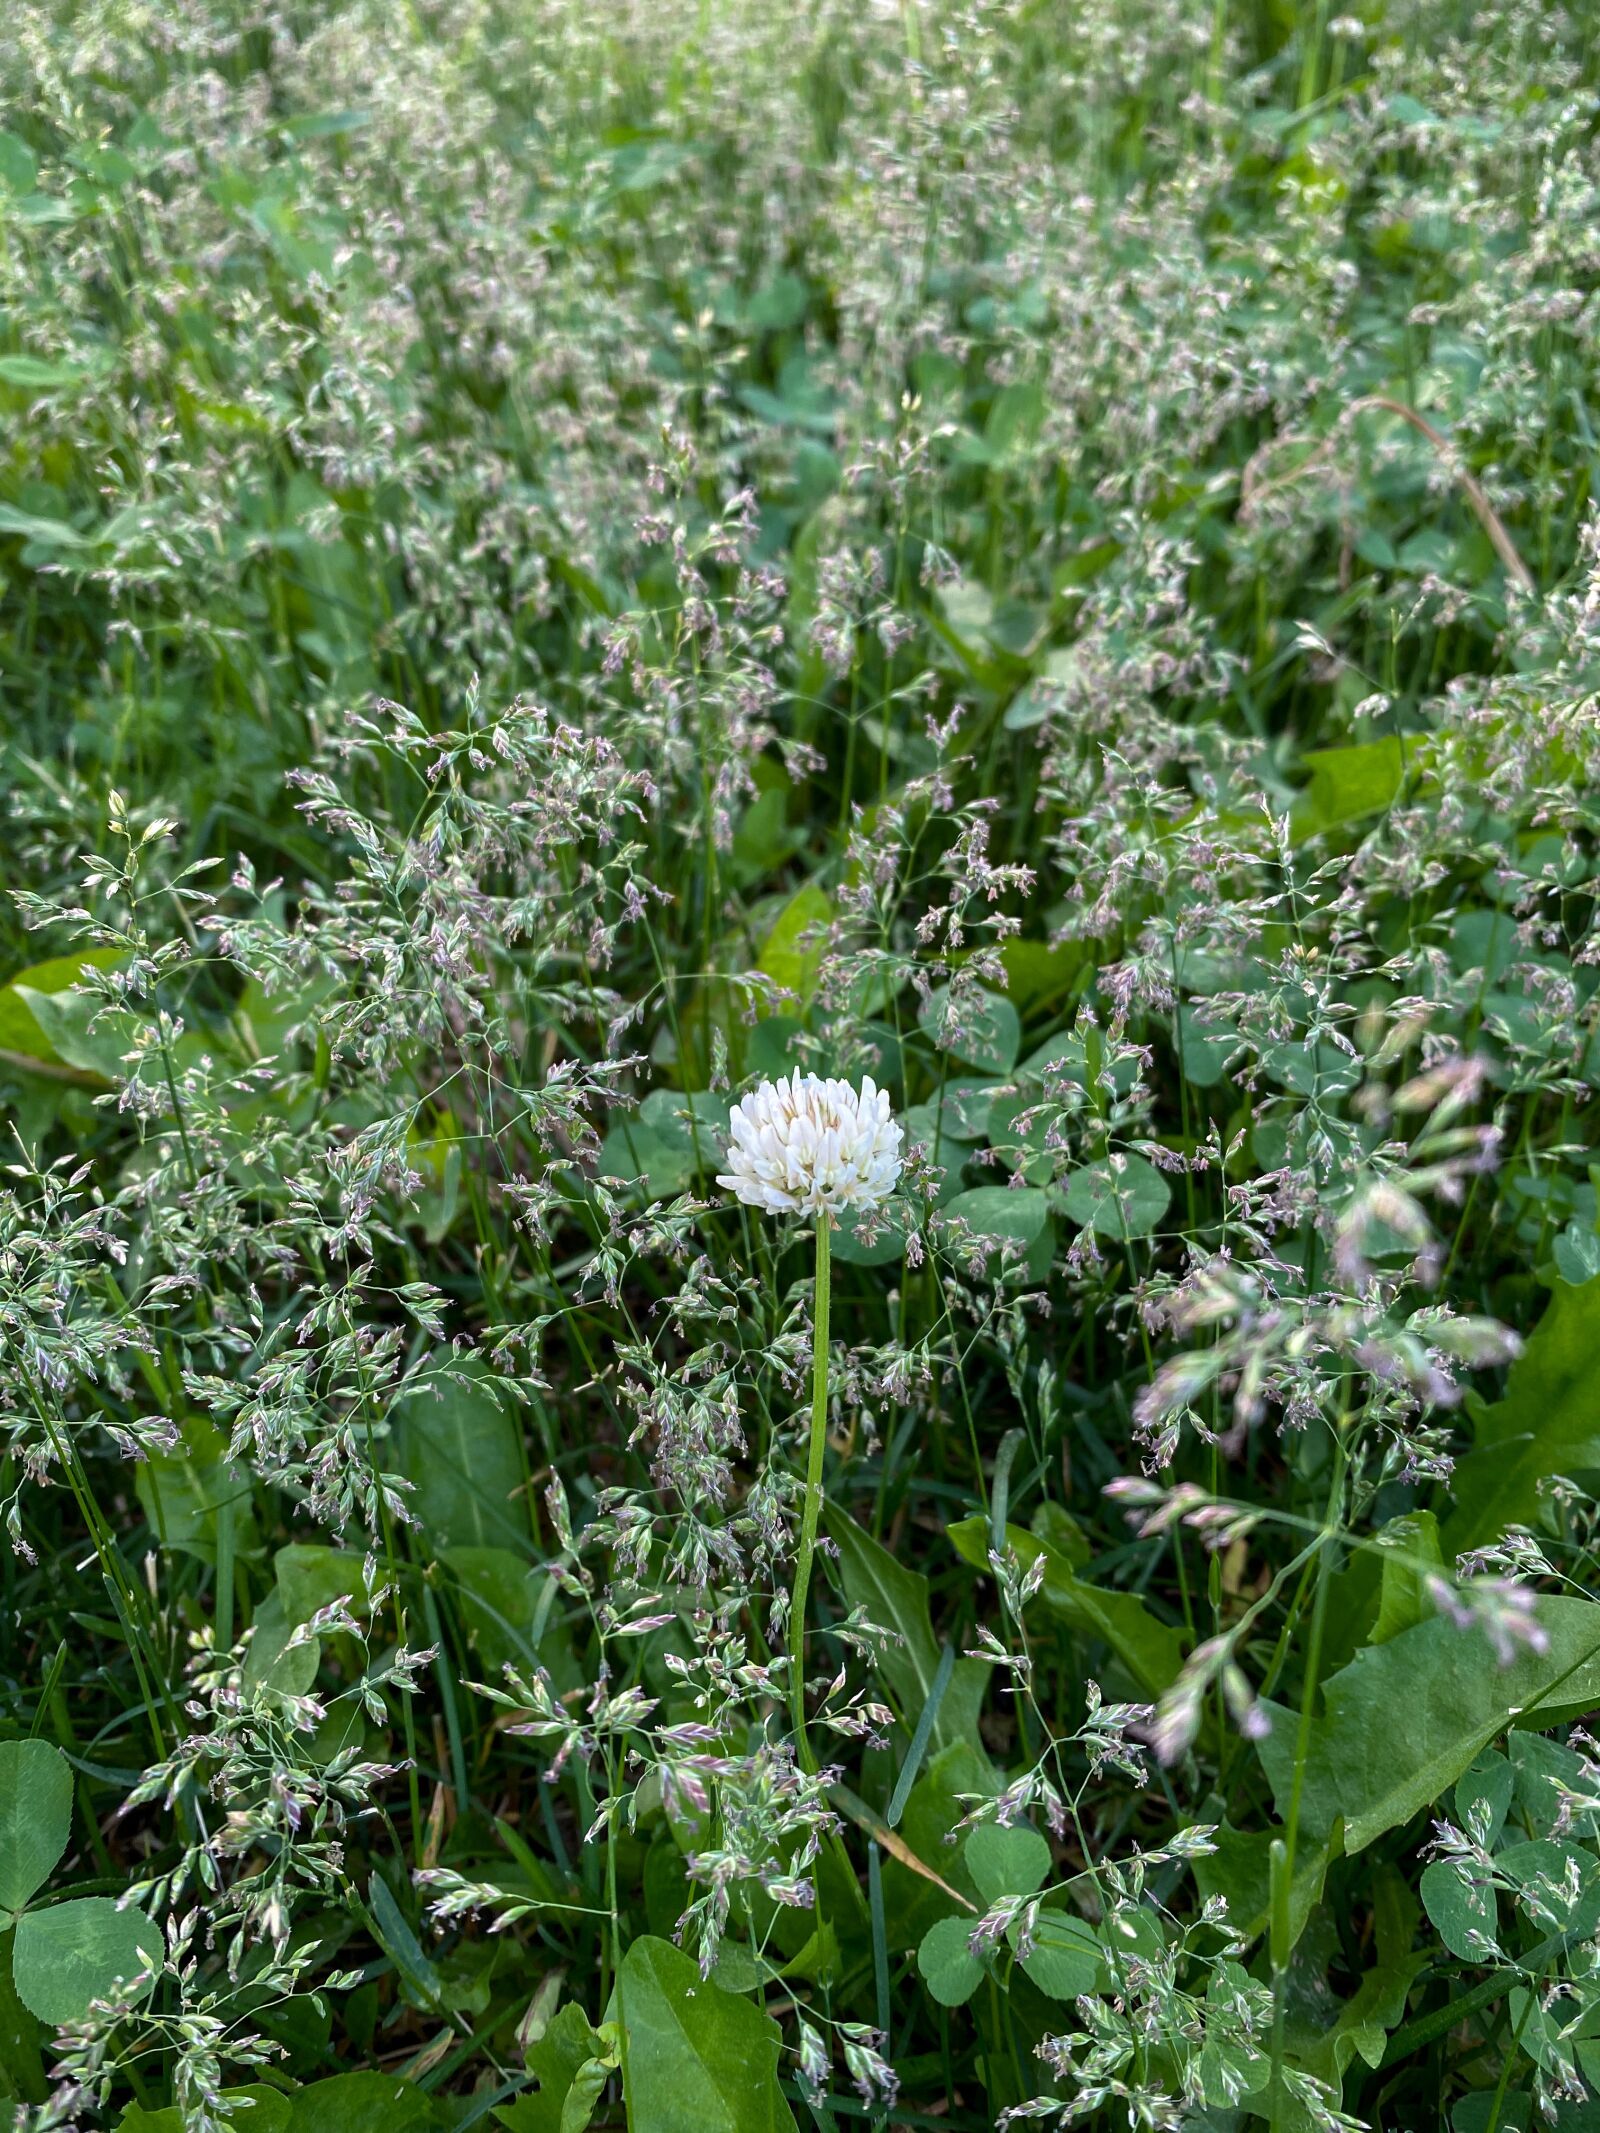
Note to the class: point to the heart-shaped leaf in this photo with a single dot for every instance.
(1000, 1211)
(1120, 1196)
(951, 1972)
(1006, 1862)
(73, 1953)
(981, 1029)
(35, 1817)
(1065, 1959)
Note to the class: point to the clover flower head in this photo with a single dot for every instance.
(809, 1146)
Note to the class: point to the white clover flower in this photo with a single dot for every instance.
(810, 1146)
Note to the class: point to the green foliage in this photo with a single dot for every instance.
(1545, 1426)
(73, 1953)
(693, 2056)
(1407, 1717)
(896, 1600)
(556, 564)
(35, 1817)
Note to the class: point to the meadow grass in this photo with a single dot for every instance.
(559, 566)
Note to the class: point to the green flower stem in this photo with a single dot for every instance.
(1283, 1848)
(813, 1503)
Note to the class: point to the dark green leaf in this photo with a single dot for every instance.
(1119, 1196)
(951, 1972)
(1458, 1906)
(569, 2045)
(1148, 1647)
(1548, 1423)
(35, 1817)
(1406, 1718)
(73, 1953)
(983, 1029)
(1005, 1861)
(358, 2103)
(896, 1599)
(461, 1444)
(1066, 1958)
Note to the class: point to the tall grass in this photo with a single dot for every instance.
(556, 566)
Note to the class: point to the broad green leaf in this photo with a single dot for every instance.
(1066, 1958)
(981, 1029)
(1459, 1905)
(1577, 1254)
(497, 1591)
(1544, 1772)
(1239, 1869)
(950, 1780)
(950, 1970)
(461, 1444)
(316, 125)
(663, 1163)
(1483, 1793)
(80, 1030)
(1490, 2111)
(1410, 1550)
(569, 2045)
(1037, 971)
(929, 1128)
(1350, 783)
(890, 1230)
(1404, 1719)
(41, 532)
(182, 1491)
(1019, 1214)
(251, 2108)
(896, 1599)
(1046, 692)
(1119, 1196)
(38, 373)
(1150, 1650)
(20, 1032)
(76, 1952)
(792, 953)
(1378, 2004)
(310, 1578)
(1548, 1423)
(274, 1660)
(958, 1116)
(1323, 1070)
(1006, 1861)
(1560, 1881)
(769, 1049)
(357, 2103)
(265, 1014)
(35, 1817)
(693, 1120)
(588, 2085)
(1025, 1132)
(1204, 1049)
(1230, 2066)
(695, 2059)
(966, 610)
(1015, 418)
(19, 166)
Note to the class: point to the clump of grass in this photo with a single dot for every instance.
(555, 570)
